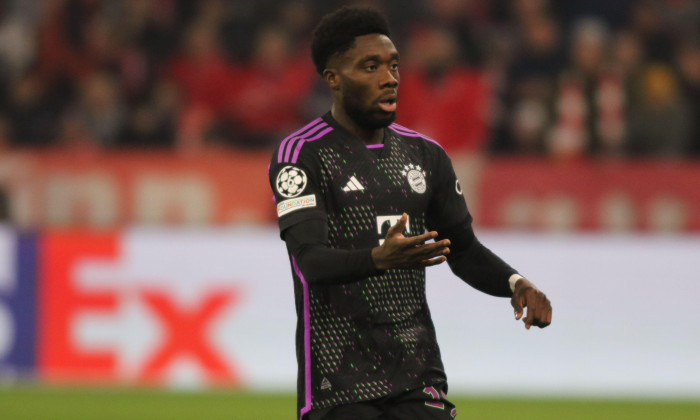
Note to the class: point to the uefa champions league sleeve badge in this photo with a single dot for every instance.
(291, 181)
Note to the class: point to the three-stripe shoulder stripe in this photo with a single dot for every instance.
(291, 146)
(410, 133)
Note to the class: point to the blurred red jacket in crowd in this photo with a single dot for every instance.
(452, 109)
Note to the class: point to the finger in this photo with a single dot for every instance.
(399, 227)
(542, 317)
(532, 307)
(517, 304)
(421, 239)
(547, 314)
(434, 261)
(527, 321)
(433, 249)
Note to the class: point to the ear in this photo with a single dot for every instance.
(332, 78)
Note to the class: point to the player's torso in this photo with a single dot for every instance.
(370, 337)
(366, 190)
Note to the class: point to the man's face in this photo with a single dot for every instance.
(369, 81)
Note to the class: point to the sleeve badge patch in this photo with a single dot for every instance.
(293, 204)
(291, 181)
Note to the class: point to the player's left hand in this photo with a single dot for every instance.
(539, 310)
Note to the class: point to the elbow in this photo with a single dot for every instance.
(304, 261)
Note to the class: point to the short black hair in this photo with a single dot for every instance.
(337, 31)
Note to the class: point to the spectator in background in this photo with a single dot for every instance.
(647, 20)
(100, 110)
(269, 98)
(32, 120)
(153, 123)
(4, 134)
(681, 19)
(149, 36)
(69, 38)
(4, 199)
(463, 20)
(440, 97)
(660, 123)
(238, 23)
(17, 45)
(202, 72)
(207, 81)
(214, 57)
(615, 14)
(297, 19)
(521, 12)
(628, 60)
(530, 85)
(539, 54)
(589, 104)
(688, 63)
(4, 207)
(26, 118)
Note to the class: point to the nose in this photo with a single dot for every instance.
(390, 79)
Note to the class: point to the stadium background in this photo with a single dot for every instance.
(140, 265)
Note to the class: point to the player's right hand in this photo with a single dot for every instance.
(398, 251)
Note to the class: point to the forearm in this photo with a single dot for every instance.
(477, 265)
(321, 264)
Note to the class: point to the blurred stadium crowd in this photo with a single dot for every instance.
(527, 77)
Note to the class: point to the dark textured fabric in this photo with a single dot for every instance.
(370, 337)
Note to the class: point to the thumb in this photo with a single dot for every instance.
(399, 227)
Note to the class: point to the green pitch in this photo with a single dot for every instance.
(45, 403)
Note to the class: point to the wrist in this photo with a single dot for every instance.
(375, 257)
(513, 279)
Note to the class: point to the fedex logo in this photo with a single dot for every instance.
(136, 308)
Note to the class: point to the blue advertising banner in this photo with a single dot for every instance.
(18, 262)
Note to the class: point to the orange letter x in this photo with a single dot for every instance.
(185, 335)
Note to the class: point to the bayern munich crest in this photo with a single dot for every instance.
(416, 177)
(291, 181)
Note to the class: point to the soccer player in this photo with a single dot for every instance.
(364, 205)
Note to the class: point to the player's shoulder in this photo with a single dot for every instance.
(427, 143)
(292, 147)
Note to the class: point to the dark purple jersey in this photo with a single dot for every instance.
(372, 337)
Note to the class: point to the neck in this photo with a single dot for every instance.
(367, 135)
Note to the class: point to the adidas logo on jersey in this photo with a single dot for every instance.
(353, 185)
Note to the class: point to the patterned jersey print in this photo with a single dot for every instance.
(373, 337)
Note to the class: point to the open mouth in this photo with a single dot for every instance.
(388, 105)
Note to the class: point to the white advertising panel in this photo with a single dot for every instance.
(216, 306)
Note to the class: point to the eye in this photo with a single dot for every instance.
(371, 67)
(395, 66)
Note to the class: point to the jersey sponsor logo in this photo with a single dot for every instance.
(416, 178)
(353, 185)
(294, 204)
(291, 181)
(458, 187)
(385, 222)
